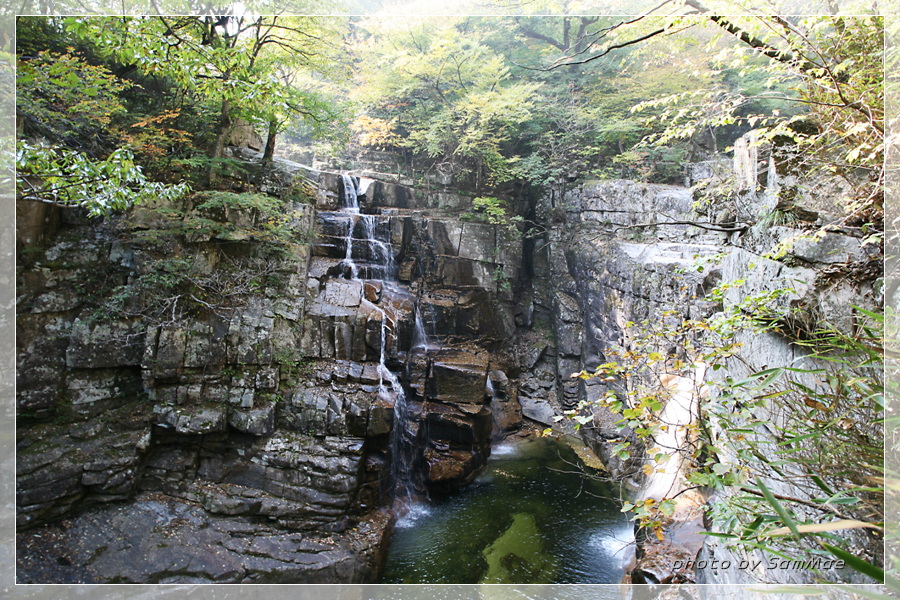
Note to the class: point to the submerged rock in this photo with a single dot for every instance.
(517, 556)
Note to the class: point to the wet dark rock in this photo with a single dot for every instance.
(499, 383)
(663, 563)
(55, 472)
(540, 411)
(451, 466)
(198, 420)
(160, 539)
(507, 415)
(112, 344)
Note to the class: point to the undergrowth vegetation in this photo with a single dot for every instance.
(798, 448)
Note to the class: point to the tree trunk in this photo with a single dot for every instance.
(219, 147)
(269, 150)
(695, 149)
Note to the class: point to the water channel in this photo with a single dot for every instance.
(529, 517)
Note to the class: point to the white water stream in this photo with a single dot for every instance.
(677, 415)
(382, 254)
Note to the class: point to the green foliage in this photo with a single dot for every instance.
(229, 216)
(272, 221)
(76, 104)
(66, 99)
(36, 34)
(472, 95)
(163, 147)
(815, 89)
(293, 366)
(491, 210)
(267, 206)
(651, 514)
(59, 175)
(654, 165)
(566, 148)
(445, 96)
(246, 69)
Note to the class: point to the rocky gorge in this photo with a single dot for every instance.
(205, 391)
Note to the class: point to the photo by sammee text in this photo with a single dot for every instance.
(771, 564)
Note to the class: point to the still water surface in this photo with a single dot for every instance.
(530, 517)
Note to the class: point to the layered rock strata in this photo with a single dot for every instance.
(179, 364)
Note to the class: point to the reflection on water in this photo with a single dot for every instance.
(530, 517)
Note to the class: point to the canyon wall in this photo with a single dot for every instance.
(621, 258)
(202, 394)
(202, 383)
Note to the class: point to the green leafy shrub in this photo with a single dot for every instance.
(63, 176)
(66, 99)
(493, 211)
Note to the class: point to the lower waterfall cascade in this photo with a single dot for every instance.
(381, 257)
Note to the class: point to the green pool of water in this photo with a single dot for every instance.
(530, 517)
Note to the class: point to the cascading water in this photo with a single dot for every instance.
(351, 207)
(351, 199)
(421, 339)
(389, 388)
(381, 251)
(677, 417)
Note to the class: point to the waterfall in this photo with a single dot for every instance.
(351, 200)
(381, 252)
(348, 262)
(401, 467)
(677, 416)
(421, 339)
(380, 264)
(351, 207)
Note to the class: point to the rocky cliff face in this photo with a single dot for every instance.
(625, 252)
(159, 364)
(210, 373)
(616, 259)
